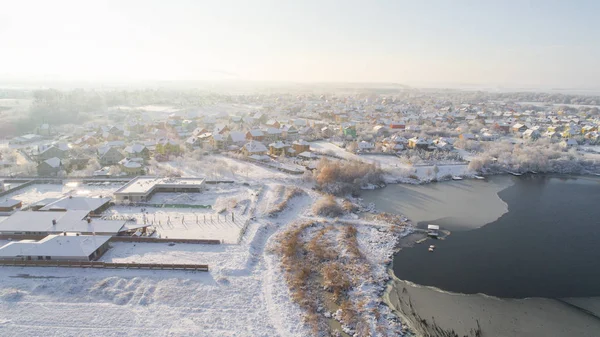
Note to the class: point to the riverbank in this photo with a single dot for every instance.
(431, 311)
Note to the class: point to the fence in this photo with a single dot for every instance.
(159, 240)
(170, 205)
(120, 239)
(104, 265)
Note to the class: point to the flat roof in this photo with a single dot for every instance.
(69, 221)
(9, 203)
(76, 204)
(143, 185)
(55, 245)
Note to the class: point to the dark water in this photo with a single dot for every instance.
(547, 245)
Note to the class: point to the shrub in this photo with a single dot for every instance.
(328, 206)
(343, 177)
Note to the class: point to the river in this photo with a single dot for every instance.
(520, 261)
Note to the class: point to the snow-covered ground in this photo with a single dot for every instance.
(231, 205)
(215, 167)
(330, 148)
(243, 294)
(394, 167)
(185, 223)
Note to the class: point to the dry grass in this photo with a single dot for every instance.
(288, 194)
(327, 206)
(319, 257)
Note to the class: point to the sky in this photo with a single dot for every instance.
(545, 43)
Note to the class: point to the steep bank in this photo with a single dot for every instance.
(432, 312)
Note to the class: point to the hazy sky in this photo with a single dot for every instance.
(511, 42)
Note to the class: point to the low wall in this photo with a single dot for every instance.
(28, 183)
(17, 237)
(104, 265)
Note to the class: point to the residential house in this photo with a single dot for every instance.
(278, 148)
(255, 134)
(531, 134)
(289, 132)
(272, 123)
(218, 141)
(397, 125)
(137, 151)
(254, 148)
(568, 143)
(47, 152)
(553, 135)
(132, 166)
(518, 128)
(49, 167)
(237, 138)
(301, 146)
(365, 146)
(273, 134)
(417, 143)
(109, 156)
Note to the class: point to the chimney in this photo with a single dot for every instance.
(53, 222)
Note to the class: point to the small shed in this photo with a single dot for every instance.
(433, 230)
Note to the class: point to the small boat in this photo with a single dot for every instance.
(431, 248)
(479, 177)
(533, 172)
(516, 174)
(457, 178)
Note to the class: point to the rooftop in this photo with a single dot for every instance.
(69, 221)
(55, 245)
(76, 204)
(146, 184)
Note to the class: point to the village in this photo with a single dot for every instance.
(292, 135)
(144, 199)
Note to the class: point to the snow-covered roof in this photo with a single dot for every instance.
(301, 142)
(130, 163)
(256, 133)
(76, 204)
(279, 145)
(146, 184)
(255, 147)
(135, 148)
(53, 162)
(273, 131)
(69, 221)
(237, 136)
(55, 246)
